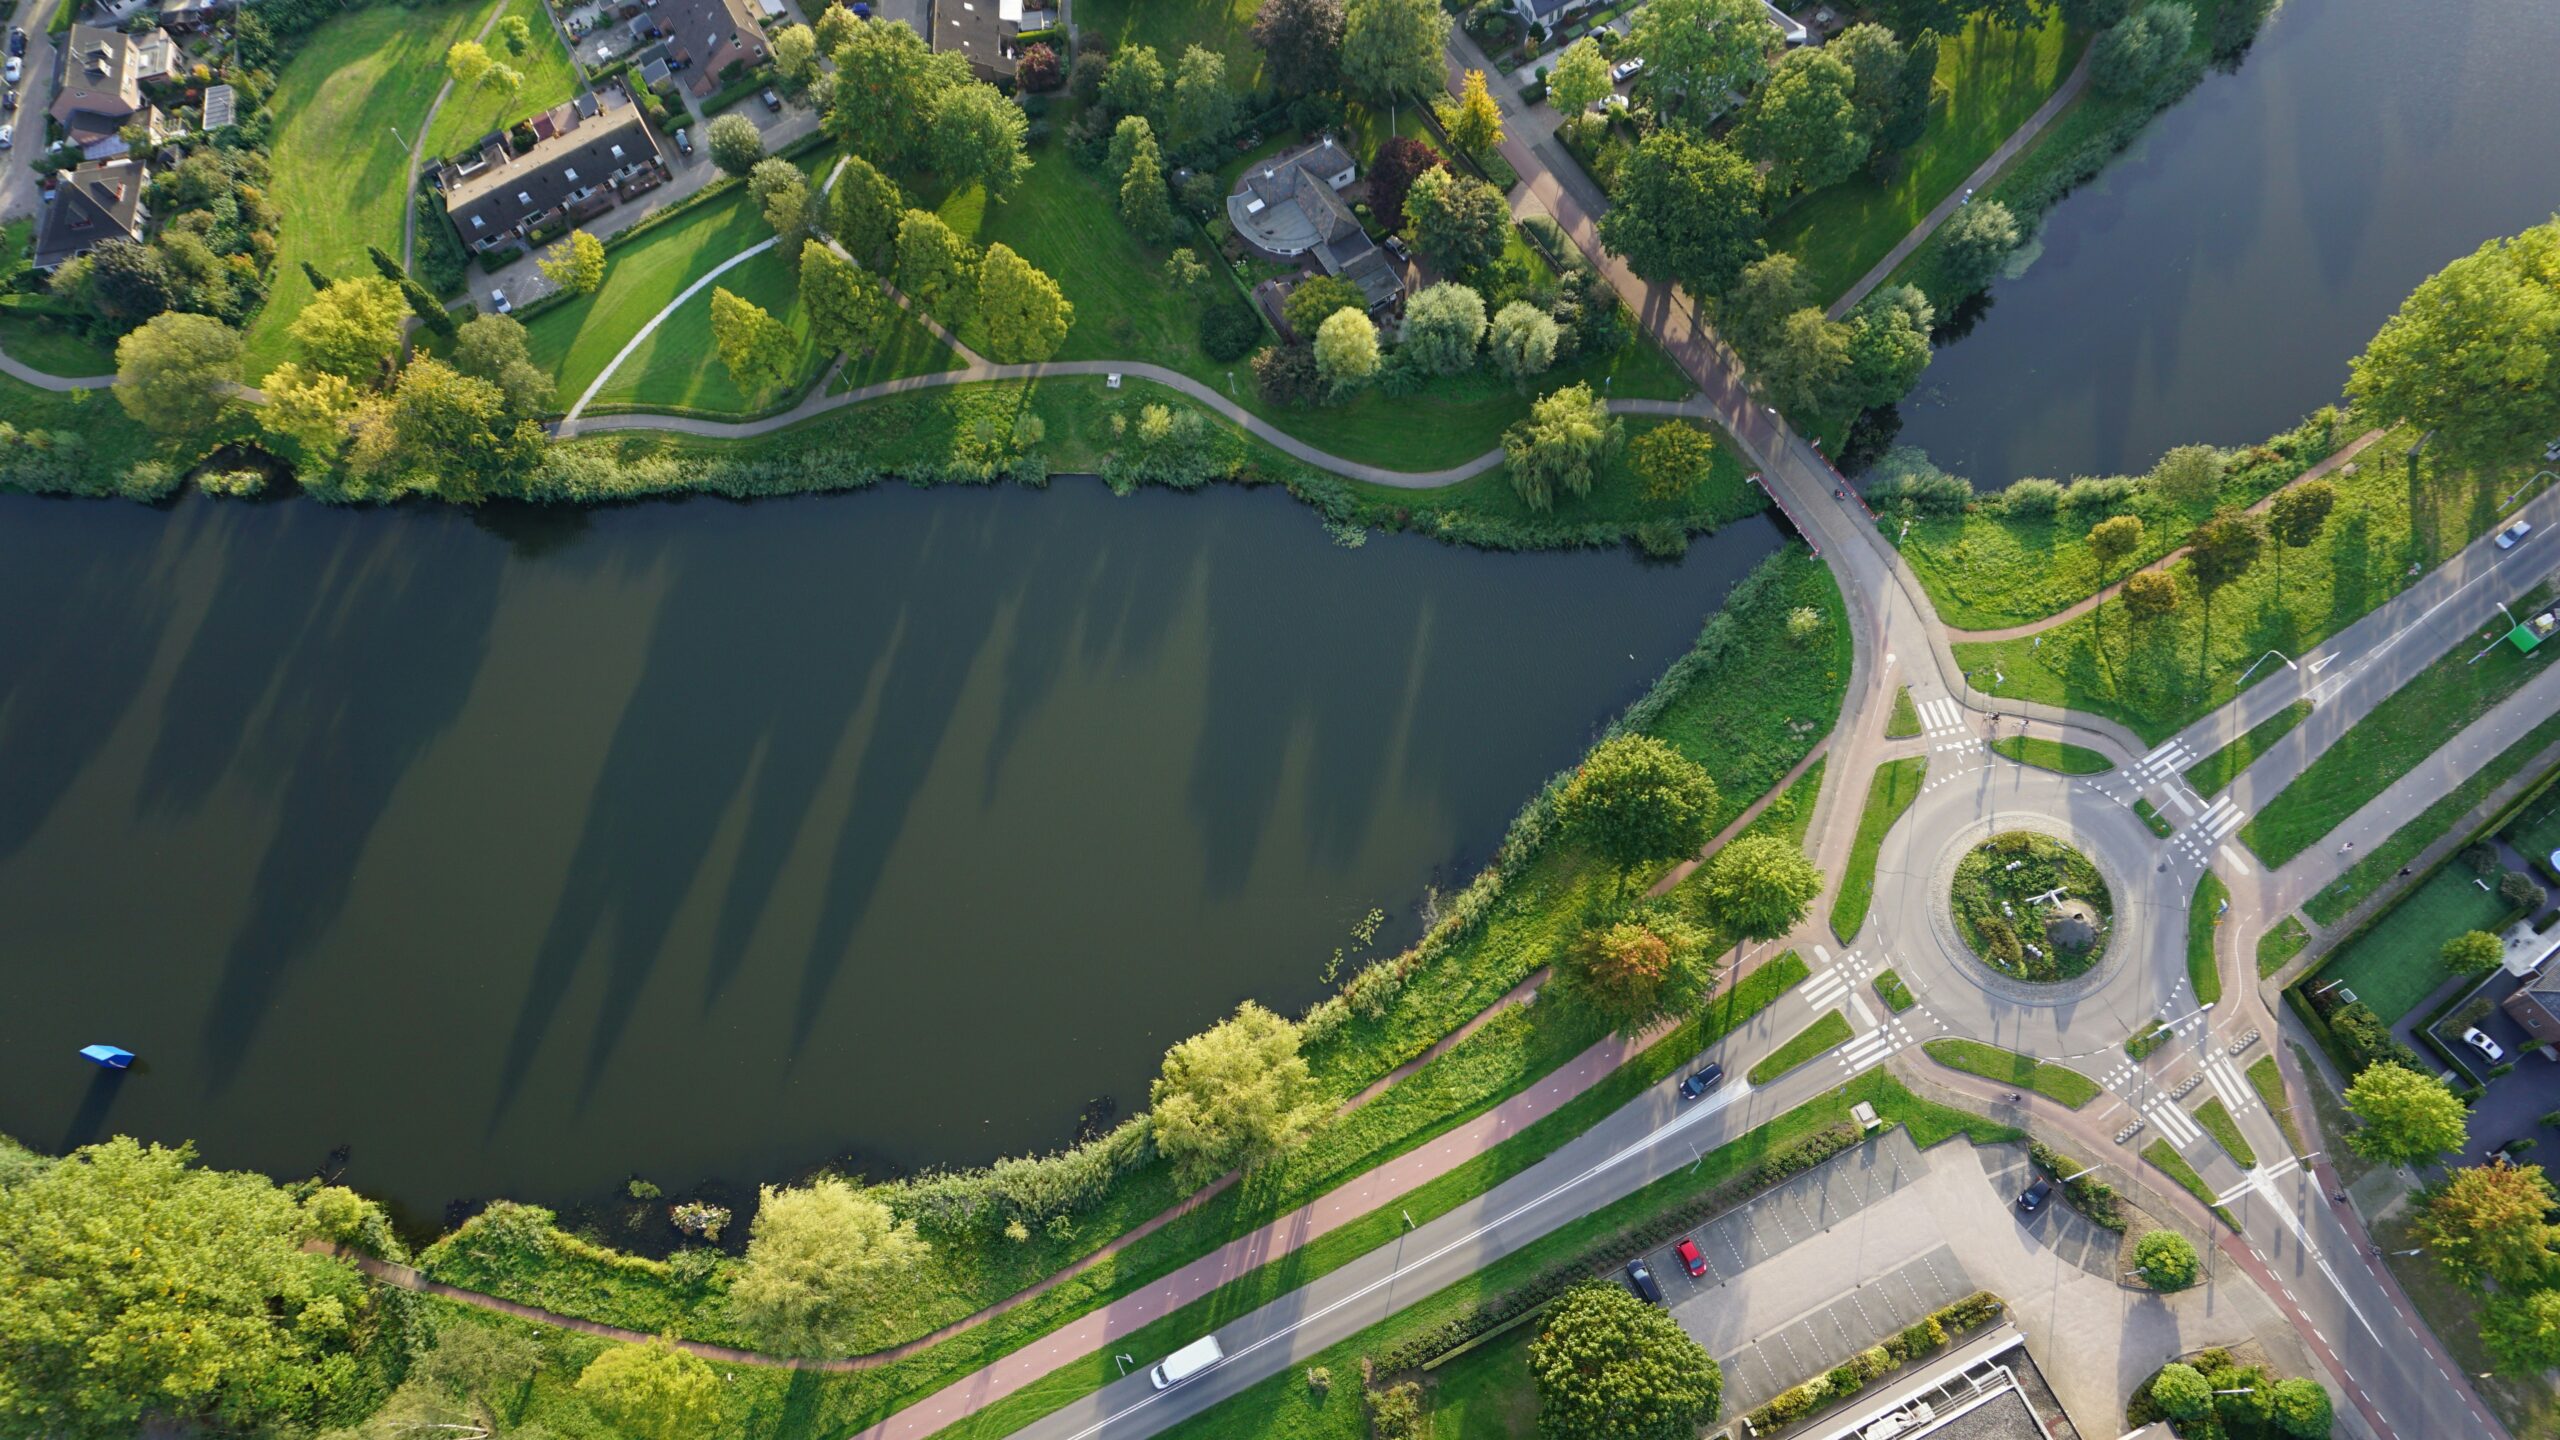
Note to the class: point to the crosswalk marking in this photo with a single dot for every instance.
(2224, 1076)
(2231, 856)
(1872, 1047)
(1826, 987)
(2179, 1130)
(1941, 716)
(2198, 841)
(2160, 765)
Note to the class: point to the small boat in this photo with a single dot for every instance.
(111, 1056)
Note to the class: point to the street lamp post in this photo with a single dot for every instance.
(2261, 660)
(2527, 485)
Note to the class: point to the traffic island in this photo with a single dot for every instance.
(2031, 907)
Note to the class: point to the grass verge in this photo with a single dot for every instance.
(2175, 1166)
(2268, 1080)
(2058, 1083)
(1889, 794)
(1897, 997)
(2052, 755)
(2278, 946)
(2374, 870)
(1905, 720)
(2142, 1043)
(2215, 1117)
(2219, 768)
(2152, 817)
(1823, 1035)
(2204, 918)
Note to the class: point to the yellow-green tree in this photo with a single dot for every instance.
(847, 308)
(757, 348)
(174, 371)
(576, 264)
(1473, 121)
(654, 1391)
(1025, 314)
(1232, 1097)
(352, 327)
(1670, 460)
(815, 1256)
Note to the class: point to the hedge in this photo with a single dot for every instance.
(1918, 1340)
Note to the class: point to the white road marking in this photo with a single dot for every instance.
(2231, 857)
(2173, 1122)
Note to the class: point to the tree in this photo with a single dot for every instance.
(311, 409)
(2168, 1260)
(1805, 123)
(2523, 1332)
(933, 261)
(474, 1379)
(1301, 44)
(1316, 299)
(515, 35)
(1523, 341)
(813, 1258)
(847, 309)
(2181, 1391)
(441, 432)
(1636, 801)
(1609, 1365)
(1392, 48)
(1458, 222)
(653, 1391)
(1144, 203)
(736, 144)
(1183, 270)
(889, 85)
(2113, 540)
(1133, 83)
(780, 193)
(978, 135)
(1579, 78)
(2189, 476)
(1671, 459)
(2521, 890)
(1875, 60)
(2409, 1118)
(352, 327)
(2485, 1223)
(2300, 1408)
(2473, 952)
(2144, 54)
(1975, 242)
(1888, 345)
(2093, 14)
(1443, 326)
(468, 63)
(174, 372)
(2223, 548)
(1025, 315)
(1347, 349)
(134, 1284)
(1687, 210)
(1634, 971)
(1697, 50)
(1400, 162)
(757, 349)
(795, 56)
(1202, 108)
(2150, 595)
(1756, 308)
(494, 348)
(1473, 121)
(1562, 444)
(1805, 364)
(1760, 886)
(576, 264)
(2474, 352)
(863, 209)
(1036, 70)
(1233, 1096)
(1130, 136)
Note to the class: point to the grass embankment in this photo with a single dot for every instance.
(2370, 873)
(1790, 815)
(2204, 920)
(1895, 786)
(340, 176)
(2155, 676)
(549, 78)
(1992, 78)
(2268, 1081)
(2052, 755)
(2281, 944)
(1822, 1036)
(2059, 1083)
(1905, 720)
(2215, 1117)
(2175, 1166)
(2392, 965)
(2224, 765)
(2152, 817)
(1489, 503)
(1897, 997)
(2412, 723)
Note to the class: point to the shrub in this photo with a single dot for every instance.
(1229, 332)
(2032, 499)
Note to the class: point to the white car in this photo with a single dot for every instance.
(1626, 68)
(498, 298)
(8, 136)
(1607, 103)
(16, 67)
(2514, 534)
(2482, 1043)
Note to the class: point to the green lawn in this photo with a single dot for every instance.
(52, 348)
(341, 178)
(2155, 676)
(2281, 944)
(2222, 766)
(549, 78)
(2052, 755)
(676, 368)
(1895, 995)
(2407, 727)
(1823, 1035)
(2215, 1117)
(1791, 815)
(2393, 965)
(2054, 1082)
(910, 349)
(1489, 502)
(2203, 919)
(2371, 872)
(1889, 794)
(1905, 720)
(2175, 1166)
(1486, 1394)
(1993, 78)
(1174, 25)
(2265, 1078)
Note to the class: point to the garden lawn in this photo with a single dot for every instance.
(2281, 944)
(2157, 675)
(2407, 727)
(2058, 1083)
(1823, 1035)
(2268, 1081)
(1889, 794)
(549, 78)
(1993, 78)
(340, 176)
(1487, 1393)
(2204, 917)
(2215, 1117)
(2535, 830)
(2392, 965)
(1172, 26)
(2052, 755)
(2224, 765)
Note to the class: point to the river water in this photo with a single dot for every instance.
(2212, 284)
(522, 854)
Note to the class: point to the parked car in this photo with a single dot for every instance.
(1626, 68)
(16, 68)
(17, 42)
(772, 101)
(1701, 1082)
(498, 299)
(1641, 1281)
(684, 140)
(1607, 103)
(2475, 1037)
(8, 101)
(8, 136)
(1691, 1258)
(2031, 1199)
(2508, 538)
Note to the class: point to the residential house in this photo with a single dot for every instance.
(711, 36)
(158, 128)
(983, 31)
(2535, 1007)
(587, 157)
(95, 202)
(190, 16)
(103, 72)
(1291, 205)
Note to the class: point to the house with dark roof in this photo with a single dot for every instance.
(586, 158)
(184, 16)
(2535, 1007)
(102, 76)
(712, 35)
(92, 203)
(982, 32)
(1291, 205)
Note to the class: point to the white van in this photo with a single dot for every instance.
(1188, 1361)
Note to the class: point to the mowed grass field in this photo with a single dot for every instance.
(2393, 965)
(549, 78)
(676, 367)
(1174, 25)
(341, 177)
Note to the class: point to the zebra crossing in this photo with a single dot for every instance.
(1940, 717)
(2173, 1123)
(2162, 765)
(1841, 985)
(1872, 1048)
(2198, 840)
(2225, 1079)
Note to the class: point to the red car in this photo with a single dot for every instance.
(1690, 1259)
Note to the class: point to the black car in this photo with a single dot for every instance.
(1640, 1280)
(1702, 1082)
(17, 42)
(2031, 1199)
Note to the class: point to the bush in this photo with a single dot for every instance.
(1229, 331)
(2032, 499)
